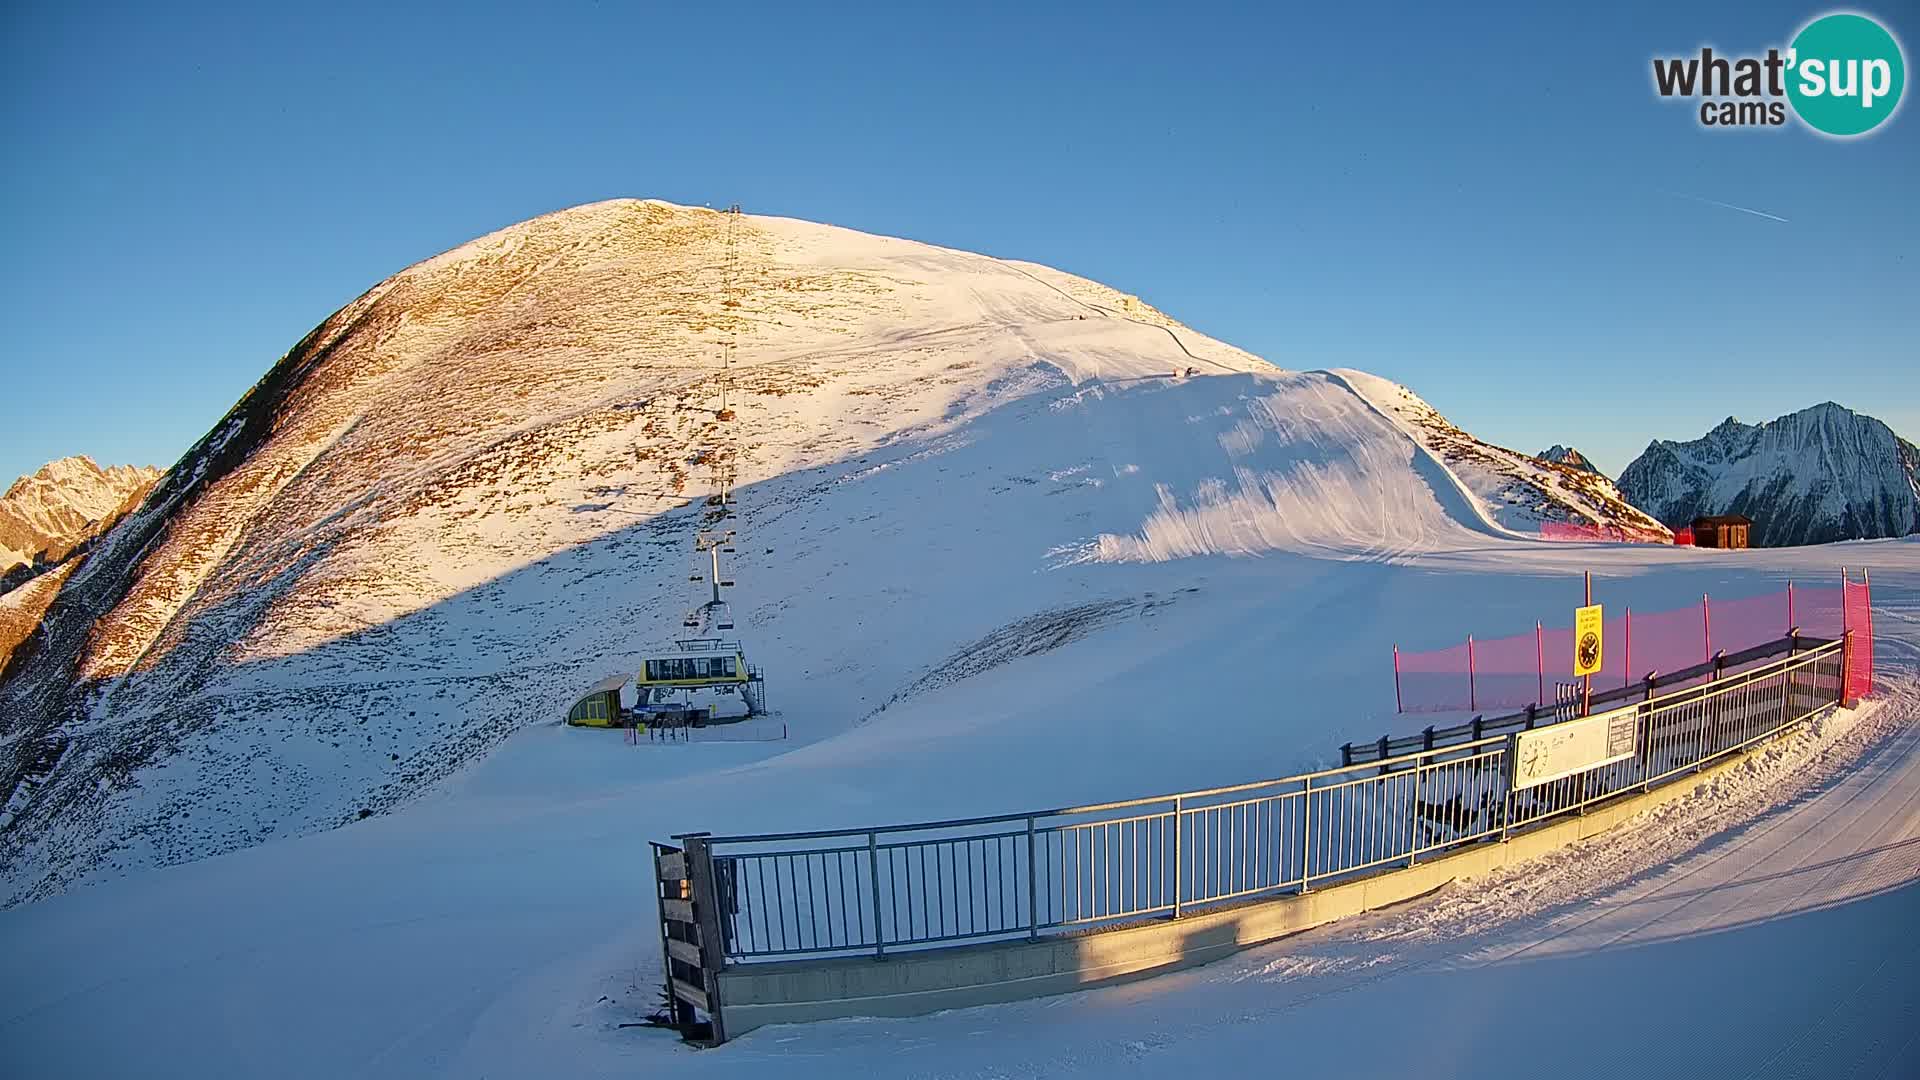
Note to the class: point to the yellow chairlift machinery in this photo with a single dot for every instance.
(702, 676)
(706, 662)
(695, 663)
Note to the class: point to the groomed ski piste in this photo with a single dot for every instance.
(1069, 575)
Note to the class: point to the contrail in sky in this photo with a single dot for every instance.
(1730, 206)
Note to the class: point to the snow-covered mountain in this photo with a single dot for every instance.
(45, 515)
(1822, 474)
(1571, 458)
(471, 493)
(1514, 490)
(995, 554)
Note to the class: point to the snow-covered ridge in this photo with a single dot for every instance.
(1822, 474)
(1513, 490)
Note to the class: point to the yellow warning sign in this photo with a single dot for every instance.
(1588, 632)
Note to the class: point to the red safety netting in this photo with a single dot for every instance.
(1683, 536)
(1521, 669)
(1857, 610)
(1605, 534)
(1423, 679)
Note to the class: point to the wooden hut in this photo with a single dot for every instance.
(1721, 531)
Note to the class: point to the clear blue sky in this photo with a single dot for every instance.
(1485, 202)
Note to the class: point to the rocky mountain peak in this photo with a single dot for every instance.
(1570, 457)
(47, 514)
(1821, 474)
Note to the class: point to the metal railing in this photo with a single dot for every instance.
(1719, 667)
(1086, 868)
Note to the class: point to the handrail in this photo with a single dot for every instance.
(1355, 753)
(1008, 880)
(1799, 659)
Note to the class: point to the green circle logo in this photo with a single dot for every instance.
(1845, 74)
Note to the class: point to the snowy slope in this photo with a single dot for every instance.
(67, 502)
(1822, 474)
(470, 494)
(1513, 490)
(496, 929)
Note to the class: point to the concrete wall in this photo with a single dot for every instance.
(913, 983)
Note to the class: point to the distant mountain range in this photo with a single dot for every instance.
(1571, 458)
(48, 515)
(1818, 475)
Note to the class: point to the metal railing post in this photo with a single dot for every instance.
(1846, 661)
(1540, 661)
(1506, 781)
(1706, 626)
(1626, 668)
(1786, 683)
(1179, 867)
(1033, 889)
(1413, 804)
(1306, 834)
(873, 874)
(1472, 695)
(1866, 601)
(1397, 706)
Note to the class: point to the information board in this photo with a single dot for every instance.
(1560, 750)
